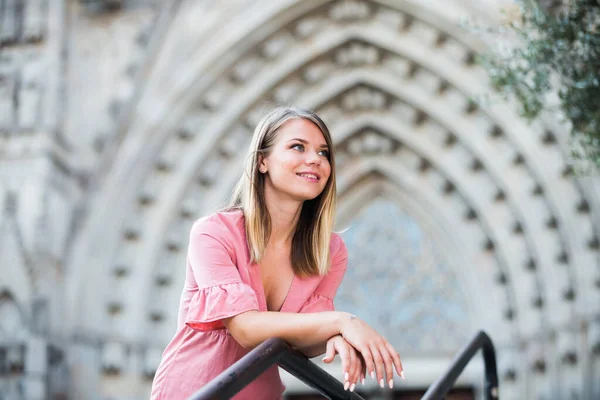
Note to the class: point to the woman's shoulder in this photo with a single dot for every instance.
(337, 247)
(221, 223)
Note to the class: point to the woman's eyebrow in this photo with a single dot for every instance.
(324, 145)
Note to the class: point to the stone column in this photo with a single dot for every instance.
(36, 369)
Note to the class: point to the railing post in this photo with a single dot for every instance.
(491, 374)
(442, 385)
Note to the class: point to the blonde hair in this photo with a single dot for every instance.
(310, 244)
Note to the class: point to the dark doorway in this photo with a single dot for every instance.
(416, 394)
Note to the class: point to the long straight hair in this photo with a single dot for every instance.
(311, 240)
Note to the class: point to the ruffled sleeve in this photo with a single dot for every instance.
(213, 280)
(322, 298)
(213, 304)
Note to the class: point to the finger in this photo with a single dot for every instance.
(345, 357)
(389, 366)
(359, 366)
(329, 352)
(370, 364)
(353, 370)
(363, 369)
(397, 360)
(379, 365)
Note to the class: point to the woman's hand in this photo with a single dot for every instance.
(352, 365)
(378, 353)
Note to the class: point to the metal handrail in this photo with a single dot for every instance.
(271, 352)
(443, 384)
(276, 351)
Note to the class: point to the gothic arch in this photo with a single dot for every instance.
(408, 78)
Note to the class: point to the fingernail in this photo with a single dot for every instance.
(391, 383)
(345, 376)
(402, 375)
(362, 381)
(346, 385)
(352, 387)
(372, 374)
(381, 383)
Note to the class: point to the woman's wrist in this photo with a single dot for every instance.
(344, 320)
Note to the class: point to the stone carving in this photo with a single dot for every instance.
(30, 92)
(22, 21)
(276, 45)
(287, 91)
(7, 111)
(427, 34)
(12, 328)
(34, 19)
(235, 142)
(211, 170)
(371, 142)
(364, 99)
(391, 18)
(152, 359)
(357, 53)
(246, 68)
(113, 357)
(349, 10)
(9, 19)
(403, 111)
(308, 26)
(316, 71)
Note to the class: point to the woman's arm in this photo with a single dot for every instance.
(314, 350)
(309, 329)
(302, 330)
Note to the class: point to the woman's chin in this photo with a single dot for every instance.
(307, 196)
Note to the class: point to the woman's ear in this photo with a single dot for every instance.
(262, 165)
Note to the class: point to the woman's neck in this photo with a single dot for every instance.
(284, 219)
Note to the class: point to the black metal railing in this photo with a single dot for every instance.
(264, 356)
(443, 384)
(276, 351)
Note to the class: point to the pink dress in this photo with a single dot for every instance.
(221, 282)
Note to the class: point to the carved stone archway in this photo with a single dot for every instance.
(394, 81)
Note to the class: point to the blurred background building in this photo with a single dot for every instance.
(123, 121)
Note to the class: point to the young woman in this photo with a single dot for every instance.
(269, 266)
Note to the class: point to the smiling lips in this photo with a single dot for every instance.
(309, 176)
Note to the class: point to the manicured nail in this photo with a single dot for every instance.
(372, 374)
(346, 385)
(402, 374)
(363, 380)
(381, 383)
(345, 376)
(391, 383)
(352, 387)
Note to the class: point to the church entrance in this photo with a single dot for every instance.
(413, 394)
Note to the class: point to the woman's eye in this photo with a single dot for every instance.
(298, 146)
(324, 153)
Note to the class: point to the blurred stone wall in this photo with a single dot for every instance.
(121, 122)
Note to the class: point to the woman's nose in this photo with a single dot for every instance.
(313, 158)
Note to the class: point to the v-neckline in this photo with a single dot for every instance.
(257, 276)
(287, 294)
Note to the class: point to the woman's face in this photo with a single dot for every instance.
(298, 165)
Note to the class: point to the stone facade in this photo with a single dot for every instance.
(122, 121)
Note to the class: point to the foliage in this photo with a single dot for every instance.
(558, 52)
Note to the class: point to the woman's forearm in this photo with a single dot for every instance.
(300, 330)
(314, 350)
